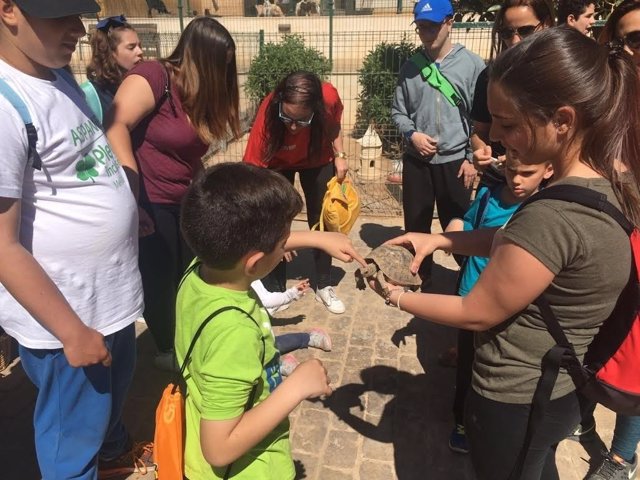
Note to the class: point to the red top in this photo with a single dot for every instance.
(293, 153)
(166, 147)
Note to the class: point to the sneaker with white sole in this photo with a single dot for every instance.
(288, 364)
(327, 295)
(318, 338)
(611, 469)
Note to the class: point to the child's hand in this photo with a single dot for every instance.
(86, 348)
(289, 256)
(303, 286)
(311, 379)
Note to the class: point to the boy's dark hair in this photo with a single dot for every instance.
(572, 7)
(231, 209)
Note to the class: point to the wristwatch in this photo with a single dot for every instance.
(341, 155)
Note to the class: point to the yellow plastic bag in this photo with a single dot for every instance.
(169, 437)
(340, 207)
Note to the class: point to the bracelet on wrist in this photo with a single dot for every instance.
(387, 297)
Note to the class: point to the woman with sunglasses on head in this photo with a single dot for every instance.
(621, 31)
(516, 20)
(297, 130)
(555, 97)
(165, 115)
(115, 49)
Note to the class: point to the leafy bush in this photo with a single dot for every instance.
(277, 60)
(378, 77)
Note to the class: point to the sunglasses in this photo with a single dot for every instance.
(111, 22)
(522, 32)
(288, 120)
(632, 40)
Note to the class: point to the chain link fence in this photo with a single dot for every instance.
(346, 40)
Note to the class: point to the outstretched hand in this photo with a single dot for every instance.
(423, 244)
(339, 246)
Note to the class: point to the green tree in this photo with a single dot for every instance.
(377, 79)
(277, 60)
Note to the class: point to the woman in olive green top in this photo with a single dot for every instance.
(557, 96)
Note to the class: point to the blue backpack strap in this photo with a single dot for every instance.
(32, 135)
(93, 99)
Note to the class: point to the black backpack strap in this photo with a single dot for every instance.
(563, 353)
(583, 196)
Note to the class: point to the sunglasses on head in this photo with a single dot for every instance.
(632, 40)
(111, 22)
(288, 121)
(524, 31)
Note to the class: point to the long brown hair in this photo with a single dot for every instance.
(203, 67)
(562, 67)
(298, 88)
(543, 10)
(103, 68)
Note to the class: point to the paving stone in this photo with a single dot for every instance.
(375, 450)
(380, 471)
(342, 449)
(327, 473)
(306, 465)
(308, 438)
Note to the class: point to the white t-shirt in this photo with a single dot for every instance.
(78, 216)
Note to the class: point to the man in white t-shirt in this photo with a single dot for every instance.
(70, 287)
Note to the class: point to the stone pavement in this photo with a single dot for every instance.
(390, 415)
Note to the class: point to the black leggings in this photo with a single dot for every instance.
(496, 432)
(164, 256)
(314, 185)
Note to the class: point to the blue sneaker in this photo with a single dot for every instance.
(458, 440)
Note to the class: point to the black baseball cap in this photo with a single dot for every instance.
(57, 8)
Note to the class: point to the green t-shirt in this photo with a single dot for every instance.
(224, 366)
(589, 255)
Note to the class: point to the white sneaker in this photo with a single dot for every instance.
(328, 296)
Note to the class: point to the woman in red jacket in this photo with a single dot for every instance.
(297, 129)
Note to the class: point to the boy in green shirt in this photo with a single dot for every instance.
(237, 219)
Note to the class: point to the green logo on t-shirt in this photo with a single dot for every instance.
(85, 169)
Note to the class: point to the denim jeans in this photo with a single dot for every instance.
(288, 342)
(626, 437)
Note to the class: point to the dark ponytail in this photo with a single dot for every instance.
(561, 67)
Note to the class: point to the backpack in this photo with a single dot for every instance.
(21, 107)
(93, 99)
(610, 371)
(340, 207)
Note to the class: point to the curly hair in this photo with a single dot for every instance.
(103, 68)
